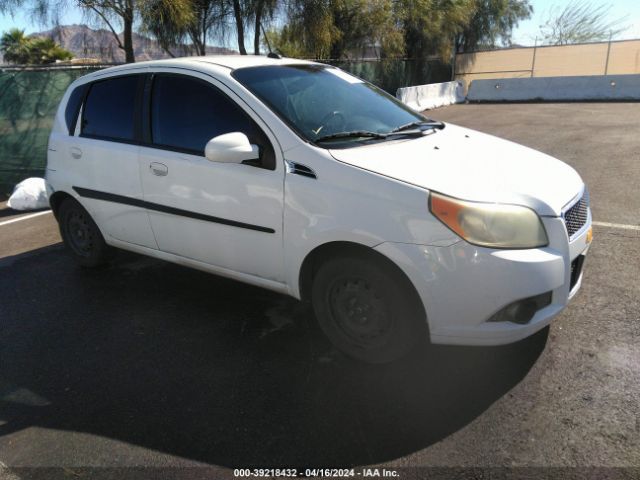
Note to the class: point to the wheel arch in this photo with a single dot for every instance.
(321, 253)
(56, 199)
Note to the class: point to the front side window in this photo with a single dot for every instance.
(187, 112)
(109, 111)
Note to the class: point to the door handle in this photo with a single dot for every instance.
(159, 169)
(75, 152)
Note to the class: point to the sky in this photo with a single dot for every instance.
(628, 10)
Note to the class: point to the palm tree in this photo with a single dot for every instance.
(18, 48)
(45, 50)
(15, 46)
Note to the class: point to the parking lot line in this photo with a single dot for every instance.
(25, 217)
(5, 474)
(617, 225)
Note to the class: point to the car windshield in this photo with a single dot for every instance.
(329, 107)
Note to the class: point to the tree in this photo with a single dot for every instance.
(121, 11)
(168, 21)
(238, 15)
(262, 11)
(209, 21)
(580, 21)
(492, 21)
(284, 41)
(113, 13)
(107, 11)
(337, 28)
(45, 50)
(364, 23)
(429, 28)
(15, 47)
(313, 24)
(20, 49)
(173, 22)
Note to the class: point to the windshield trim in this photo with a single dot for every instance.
(347, 143)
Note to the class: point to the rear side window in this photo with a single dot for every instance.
(109, 111)
(73, 107)
(186, 113)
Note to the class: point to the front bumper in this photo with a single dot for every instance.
(462, 285)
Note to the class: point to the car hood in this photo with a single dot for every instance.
(473, 166)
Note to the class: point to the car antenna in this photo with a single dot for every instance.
(271, 54)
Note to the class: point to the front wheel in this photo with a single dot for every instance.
(369, 310)
(81, 235)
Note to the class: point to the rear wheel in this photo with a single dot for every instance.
(81, 235)
(368, 309)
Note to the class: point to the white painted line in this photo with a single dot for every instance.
(25, 217)
(5, 474)
(617, 225)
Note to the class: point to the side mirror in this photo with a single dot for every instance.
(230, 148)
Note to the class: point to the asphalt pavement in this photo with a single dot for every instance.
(148, 369)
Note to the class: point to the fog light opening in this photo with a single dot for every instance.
(522, 311)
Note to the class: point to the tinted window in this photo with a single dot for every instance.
(186, 113)
(73, 107)
(110, 109)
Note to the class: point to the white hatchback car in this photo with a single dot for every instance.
(298, 177)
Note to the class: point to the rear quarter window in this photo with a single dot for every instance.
(73, 107)
(110, 109)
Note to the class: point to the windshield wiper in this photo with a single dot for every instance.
(354, 134)
(438, 125)
(402, 130)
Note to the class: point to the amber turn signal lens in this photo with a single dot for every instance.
(447, 212)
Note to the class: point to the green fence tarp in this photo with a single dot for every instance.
(28, 103)
(29, 99)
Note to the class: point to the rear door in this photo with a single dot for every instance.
(227, 215)
(105, 153)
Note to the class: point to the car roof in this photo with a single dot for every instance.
(230, 62)
(241, 61)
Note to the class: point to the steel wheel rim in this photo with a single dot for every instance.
(359, 313)
(79, 233)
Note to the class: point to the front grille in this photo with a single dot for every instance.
(576, 270)
(576, 216)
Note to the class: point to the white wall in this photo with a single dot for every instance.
(425, 97)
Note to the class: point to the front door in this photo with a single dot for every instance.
(226, 215)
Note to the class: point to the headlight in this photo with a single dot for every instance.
(492, 225)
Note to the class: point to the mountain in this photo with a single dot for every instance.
(100, 45)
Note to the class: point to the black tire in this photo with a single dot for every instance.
(368, 309)
(81, 235)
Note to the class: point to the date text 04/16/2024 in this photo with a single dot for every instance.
(316, 472)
